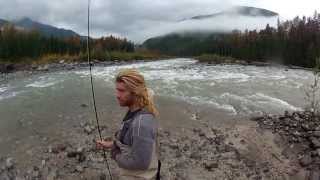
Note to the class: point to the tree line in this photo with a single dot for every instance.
(18, 45)
(292, 42)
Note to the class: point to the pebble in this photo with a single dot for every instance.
(79, 168)
(210, 165)
(9, 163)
(305, 160)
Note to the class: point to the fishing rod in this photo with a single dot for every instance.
(92, 89)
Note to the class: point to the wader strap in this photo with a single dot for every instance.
(158, 172)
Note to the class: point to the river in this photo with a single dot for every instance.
(36, 104)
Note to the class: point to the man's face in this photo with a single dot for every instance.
(124, 96)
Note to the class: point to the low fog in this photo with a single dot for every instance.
(139, 20)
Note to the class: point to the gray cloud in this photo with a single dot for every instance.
(135, 19)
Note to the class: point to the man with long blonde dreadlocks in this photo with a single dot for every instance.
(135, 148)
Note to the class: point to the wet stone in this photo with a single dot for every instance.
(195, 155)
(9, 163)
(58, 148)
(84, 105)
(316, 133)
(315, 142)
(79, 168)
(52, 175)
(305, 160)
(209, 165)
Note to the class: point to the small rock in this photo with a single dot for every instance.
(5, 176)
(84, 105)
(195, 116)
(80, 150)
(43, 163)
(72, 154)
(242, 141)
(249, 163)
(257, 118)
(43, 68)
(316, 133)
(101, 159)
(35, 168)
(19, 178)
(88, 129)
(196, 130)
(173, 146)
(228, 155)
(59, 148)
(9, 163)
(202, 134)
(305, 127)
(178, 154)
(82, 124)
(195, 155)
(208, 165)
(79, 154)
(35, 172)
(70, 67)
(81, 157)
(305, 160)
(52, 175)
(102, 176)
(315, 142)
(314, 175)
(286, 113)
(50, 149)
(266, 170)
(79, 168)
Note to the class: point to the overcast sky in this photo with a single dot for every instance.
(141, 19)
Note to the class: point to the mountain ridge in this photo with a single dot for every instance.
(26, 23)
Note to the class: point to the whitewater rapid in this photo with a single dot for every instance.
(237, 89)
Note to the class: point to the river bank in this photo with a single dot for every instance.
(60, 65)
(213, 59)
(197, 142)
(47, 125)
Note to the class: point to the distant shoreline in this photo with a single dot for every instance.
(213, 59)
(58, 65)
(8, 68)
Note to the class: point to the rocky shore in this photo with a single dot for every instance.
(301, 132)
(59, 66)
(246, 150)
(12, 71)
(201, 153)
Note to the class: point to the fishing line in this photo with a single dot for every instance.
(92, 89)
